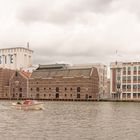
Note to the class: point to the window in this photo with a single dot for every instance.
(134, 78)
(128, 95)
(20, 95)
(134, 86)
(118, 86)
(129, 68)
(124, 68)
(31, 89)
(124, 86)
(128, 86)
(78, 89)
(129, 78)
(20, 89)
(5, 59)
(37, 95)
(13, 95)
(71, 89)
(78, 95)
(57, 89)
(118, 78)
(16, 74)
(65, 89)
(124, 78)
(134, 95)
(135, 68)
(118, 70)
(37, 89)
(11, 59)
(44, 95)
(0, 60)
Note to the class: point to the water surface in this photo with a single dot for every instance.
(72, 121)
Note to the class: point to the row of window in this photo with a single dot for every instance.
(124, 78)
(56, 96)
(129, 86)
(135, 68)
(20, 89)
(128, 95)
(57, 89)
(6, 59)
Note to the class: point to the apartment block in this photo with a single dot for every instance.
(125, 80)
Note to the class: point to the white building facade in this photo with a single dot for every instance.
(125, 80)
(16, 58)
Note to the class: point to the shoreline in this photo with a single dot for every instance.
(75, 100)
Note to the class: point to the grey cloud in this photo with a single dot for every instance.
(61, 13)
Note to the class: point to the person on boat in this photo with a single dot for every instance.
(19, 103)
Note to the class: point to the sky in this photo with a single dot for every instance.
(73, 31)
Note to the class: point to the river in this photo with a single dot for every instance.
(71, 121)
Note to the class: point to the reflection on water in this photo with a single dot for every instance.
(72, 121)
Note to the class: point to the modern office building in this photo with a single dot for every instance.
(15, 58)
(125, 80)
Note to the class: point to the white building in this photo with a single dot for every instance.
(15, 58)
(125, 80)
(102, 72)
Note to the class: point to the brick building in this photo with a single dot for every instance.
(5, 75)
(59, 82)
(102, 72)
(19, 85)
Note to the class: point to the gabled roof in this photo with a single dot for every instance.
(26, 74)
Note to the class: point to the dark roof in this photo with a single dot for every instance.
(52, 66)
(61, 72)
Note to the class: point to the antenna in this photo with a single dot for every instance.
(116, 57)
(28, 45)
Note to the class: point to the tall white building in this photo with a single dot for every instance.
(125, 80)
(16, 58)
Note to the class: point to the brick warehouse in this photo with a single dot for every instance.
(58, 82)
(5, 75)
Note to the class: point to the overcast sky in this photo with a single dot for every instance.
(72, 31)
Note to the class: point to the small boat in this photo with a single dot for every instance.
(28, 105)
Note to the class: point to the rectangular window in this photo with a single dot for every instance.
(128, 86)
(0, 59)
(134, 86)
(129, 78)
(124, 86)
(11, 59)
(78, 95)
(134, 78)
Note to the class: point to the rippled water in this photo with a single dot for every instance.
(72, 121)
